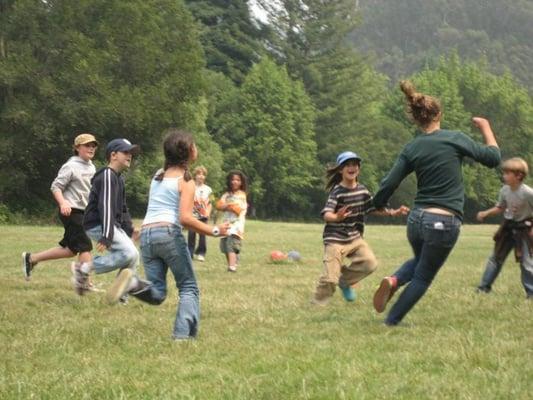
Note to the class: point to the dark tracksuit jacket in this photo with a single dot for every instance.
(107, 205)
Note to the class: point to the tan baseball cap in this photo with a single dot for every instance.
(85, 138)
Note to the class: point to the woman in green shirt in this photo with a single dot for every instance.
(436, 156)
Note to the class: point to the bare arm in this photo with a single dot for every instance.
(488, 213)
(340, 215)
(64, 205)
(389, 212)
(484, 126)
(187, 218)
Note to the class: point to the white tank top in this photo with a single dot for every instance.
(164, 202)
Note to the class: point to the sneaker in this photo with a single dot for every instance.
(80, 280)
(119, 286)
(123, 301)
(320, 302)
(27, 265)
(483, 289)
(386, 290)
(200, 258)
(348, 293)
(232, 268)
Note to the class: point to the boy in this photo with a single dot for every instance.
(70, 189)
(201, 211)
(515, 232)
(108, 222)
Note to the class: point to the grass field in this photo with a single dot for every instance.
(259, 336)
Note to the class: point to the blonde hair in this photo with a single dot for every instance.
(199, 169)
(517, 165)
(423, 109)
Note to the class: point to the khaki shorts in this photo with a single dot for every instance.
(230, 244)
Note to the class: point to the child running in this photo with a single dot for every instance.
(201, 210)
(234, 205)
(70, 189)
(515, 232)
(108, 222)
(344, 213)
(163, 246)
(436, 156)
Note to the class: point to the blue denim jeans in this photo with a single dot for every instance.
(162, 248)
(494, 266)
(121, 254)
(432, 237)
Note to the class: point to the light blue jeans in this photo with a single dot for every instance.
(162, 248)
(494, 266)
(121, 254)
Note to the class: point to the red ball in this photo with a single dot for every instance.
(276, 255)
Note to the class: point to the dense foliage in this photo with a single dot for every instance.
(278, 101)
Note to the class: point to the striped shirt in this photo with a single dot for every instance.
(359, 202)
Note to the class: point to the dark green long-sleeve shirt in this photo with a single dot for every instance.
(437, 160)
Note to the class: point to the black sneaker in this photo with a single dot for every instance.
(27, 265)
(143, 292)
(80, 280)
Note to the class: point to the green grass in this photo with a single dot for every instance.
(259, 336)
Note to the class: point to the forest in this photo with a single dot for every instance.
(277, 97)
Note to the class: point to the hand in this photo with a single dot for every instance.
(224, 228)
(481, 216)
(480, 122)
(343, 213)
(234, 208)
(65, 209)
(136, 234)
(403, 210)
(100, 247)
(220, 205)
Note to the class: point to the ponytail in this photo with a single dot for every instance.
(423, 109)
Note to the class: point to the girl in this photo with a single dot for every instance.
(163, 246)
(233, 204)
(436, 156)
(347, 205)
(201, 211)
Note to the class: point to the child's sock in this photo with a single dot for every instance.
(85, 268)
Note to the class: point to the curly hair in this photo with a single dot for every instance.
(244, 185)
(423, 109)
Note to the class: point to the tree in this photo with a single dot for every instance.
(112, 67)
(231, 39)
(271, 140)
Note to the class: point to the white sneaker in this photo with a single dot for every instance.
(200, 258)
(120, 286)
(232, 268)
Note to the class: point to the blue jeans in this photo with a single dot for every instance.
(162, 248)
(432, 237)
(494, 266)
(121, 254)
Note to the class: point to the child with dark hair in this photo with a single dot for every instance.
(516, 230)
(344, 213)
(436, 156)
(70, 189)
(163, 246)
(233, 204)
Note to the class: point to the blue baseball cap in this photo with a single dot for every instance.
(347, 155)
(123, 145)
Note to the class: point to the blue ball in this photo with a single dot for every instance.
(293, 255)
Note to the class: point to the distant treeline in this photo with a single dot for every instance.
(277, 100)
